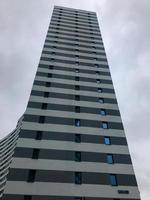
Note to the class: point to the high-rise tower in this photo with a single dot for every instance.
(72, 144)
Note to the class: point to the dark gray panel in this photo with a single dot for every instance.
(72, 108)
(70, 155)
(69, 121)
(68, 177)
(71, 137)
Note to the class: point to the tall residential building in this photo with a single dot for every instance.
(72, 144)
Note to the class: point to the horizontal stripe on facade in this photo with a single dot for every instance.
(73, 129)
(70, 44)
(56, 33)
(76, 12)
(73, 52)
(67, 57)
(72, 146)
(69, 121)
(79, 45)
(71, 77)
(60, 60)
(72, 97)
(71, 108)
(90, 29)
(79, 16)
(71, 74)
(66, 34)
(42, 197)
(70, 189)
(74, 20)
(69, 177)
(78, 55)
(60, 18)
(59, 21)
(92, 71)
(99, 68)
(65, 16)
(67, 165)
(53, 28)
(71, 86)
(63, 136)
(75, 34)
(73, 29)
(72, 38)
(70, 155)
(75, 49)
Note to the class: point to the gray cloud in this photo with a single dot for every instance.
(125, 28)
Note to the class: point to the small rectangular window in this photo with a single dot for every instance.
(110, 159)
(38, 135)
(104, 125)
(31, 175)
(77, 109)
(44, 106)
(35, 154)
(77, 122)
(107, 140)
(51, 67)
(113, 180)
(97, 73)
(77, 78)
(77, 97)
(49, 75)
(77, 63)
(47, 84)
(98, 81)
(78, 138)
(77, 87)
(27, 197)
(77, 156)
(101, 100)
(41, 119)
(78, 178)
(103, 112)
(77, 70)
(99, 90)
(46, 94)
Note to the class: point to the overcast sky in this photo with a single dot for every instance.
(125, 27)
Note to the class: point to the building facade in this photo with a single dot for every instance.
(72, 144)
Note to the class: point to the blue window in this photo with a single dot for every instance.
(104, 125)
(77, 122)
(110, 159)
(101, 100)
(102, 112)
(113, 180)
(107, 140)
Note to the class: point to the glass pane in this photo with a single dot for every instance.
(107, 140)
(113, 180)
(104, 125)
(110, 158)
